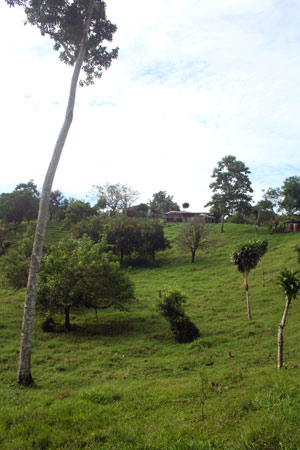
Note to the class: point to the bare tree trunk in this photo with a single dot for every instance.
(24, 369)
(262, 273)
(280, 334)
(247, 296)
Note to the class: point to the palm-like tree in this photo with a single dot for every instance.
(246, 258)
(290, 283)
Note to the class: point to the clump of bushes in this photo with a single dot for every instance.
(170, 306)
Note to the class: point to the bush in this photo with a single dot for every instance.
(15, 263)
(170, 306)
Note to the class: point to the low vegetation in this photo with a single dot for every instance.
(121, 381)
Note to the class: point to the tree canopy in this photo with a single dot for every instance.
(163, 202)
(115, 196)
(232, 188)
(291, 195)
(77, 274)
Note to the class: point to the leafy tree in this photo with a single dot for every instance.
(162, 202)
(92, 226)
(56, 203)
(78, 28)
(140, 210)
(29, 187)
(274, 196)
(115, 196)
(153, 238)
(185, 205)
(170, 306)
(231, 188)
(18, 205)
(193, 236)
(291, 195)
(263, 211)
(245, 258)
(290, 283)
(78, 211)
(75, 274)
(123, 236)
(15, 264)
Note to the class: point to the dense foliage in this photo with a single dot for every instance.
(170, 306)
(75, 274)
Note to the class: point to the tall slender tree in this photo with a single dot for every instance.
(290, 283)
(78, 27)
(245, 258)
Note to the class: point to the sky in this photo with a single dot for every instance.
(194, 81)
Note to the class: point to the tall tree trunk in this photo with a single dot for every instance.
(222, 223)
(280, 334)
(247, 296)
(262, 273)
(24, 369)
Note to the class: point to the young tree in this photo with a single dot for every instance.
(170, 306)
(162, 202)
(76, 274)
(193, 236)
(231, 188)
(290, 283)
(262, 249)
(246, 257)
(78, 28)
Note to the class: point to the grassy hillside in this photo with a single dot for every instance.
(123, 383)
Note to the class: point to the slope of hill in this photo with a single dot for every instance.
(123, 383)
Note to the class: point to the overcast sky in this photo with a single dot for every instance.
(195, 80)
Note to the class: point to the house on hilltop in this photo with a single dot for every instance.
(187, 216)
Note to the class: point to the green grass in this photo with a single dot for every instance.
(123, 383)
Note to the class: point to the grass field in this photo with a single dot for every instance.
(123, 383)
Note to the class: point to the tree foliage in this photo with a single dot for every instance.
(163, 202)
(246, 258)
(19, 205)
(171, 307)
(232, 188)
(56, 204)
(193, 236)
(126, 236)
(291, 195)
(115, 196)
(289, 281)
(76, 274)
(63, 21)
(78, 211)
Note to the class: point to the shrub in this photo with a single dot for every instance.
(170, 306)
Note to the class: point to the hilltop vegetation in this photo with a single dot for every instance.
(122, 382)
